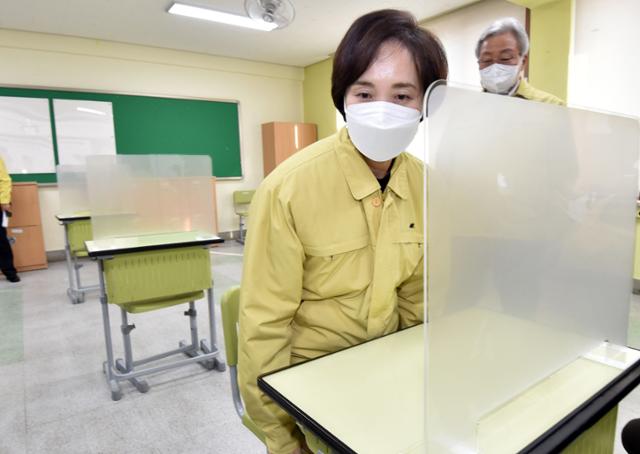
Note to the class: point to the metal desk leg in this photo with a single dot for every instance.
(116, 393)
(218, 364)
(76, 268)
(207, 347)
(72, 291)
(127, 365)
(242, 233)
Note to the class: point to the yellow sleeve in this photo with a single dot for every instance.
(411, 298)
(5, 184)
(270, 296)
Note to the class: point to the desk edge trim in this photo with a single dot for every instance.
(107, 253)
(303, 418)
(569, 428)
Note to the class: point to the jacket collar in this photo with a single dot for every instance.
(360, 179)
(524, 89)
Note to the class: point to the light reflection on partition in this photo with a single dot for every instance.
(72, 189)
(132, 195)
(530, 240)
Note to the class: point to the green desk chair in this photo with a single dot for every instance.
(241, 203)
(152, 280)
(77, 232)
(230, 306)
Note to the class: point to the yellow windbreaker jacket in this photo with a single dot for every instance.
(526, 91)
(5, 184)
(330, 261)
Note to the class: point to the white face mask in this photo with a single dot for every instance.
(381, 130)
(499, 78)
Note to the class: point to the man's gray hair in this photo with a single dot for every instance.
(506, 25)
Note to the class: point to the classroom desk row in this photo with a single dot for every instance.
(140, 274)
(370, 399)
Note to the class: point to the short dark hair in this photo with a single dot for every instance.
(360, 45)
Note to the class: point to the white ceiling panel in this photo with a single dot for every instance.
(314, 34)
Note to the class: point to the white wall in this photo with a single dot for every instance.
(604, 68)
(266, 92)
(459, 32)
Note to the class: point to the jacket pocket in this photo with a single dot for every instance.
(410, 247)
(338, 269)
(409, 237)
(337, 248)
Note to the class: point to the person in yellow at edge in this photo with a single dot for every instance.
(6, 255)
(502, 52)
(334, 252)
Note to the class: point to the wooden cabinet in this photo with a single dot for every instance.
(280, 140)
(25, 227)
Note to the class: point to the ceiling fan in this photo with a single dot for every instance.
(277, 12)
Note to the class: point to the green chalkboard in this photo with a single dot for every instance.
(155, 125)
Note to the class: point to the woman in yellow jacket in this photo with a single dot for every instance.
(6, 255)
(334, 252)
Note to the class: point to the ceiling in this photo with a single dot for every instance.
(314, 34)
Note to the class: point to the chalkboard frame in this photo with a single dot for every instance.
(108, 95)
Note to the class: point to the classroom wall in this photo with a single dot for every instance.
(318, 105)
(266, 92)
(605, 59)
(459, 31)
(550, 46)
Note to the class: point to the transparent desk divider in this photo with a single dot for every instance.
(530, 227)
(72, 189)
(133, 195)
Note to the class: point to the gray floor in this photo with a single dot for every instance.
(53, 396)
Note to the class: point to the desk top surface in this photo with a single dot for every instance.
(124, 245)
(379, 385)
(76, 216)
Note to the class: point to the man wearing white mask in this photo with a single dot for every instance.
(334, 250)
(502, 52)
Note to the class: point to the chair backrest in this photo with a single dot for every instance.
(229, 306)
(243, 197)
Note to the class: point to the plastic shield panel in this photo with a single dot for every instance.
(132, 195)
(530, 227)
(72, 188)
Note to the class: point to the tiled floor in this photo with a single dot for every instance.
(53, 396)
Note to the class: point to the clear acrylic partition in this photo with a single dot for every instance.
(134, 195)
(72, 189)
(530, 231)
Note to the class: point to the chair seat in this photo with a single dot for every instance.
(82, 253)
(160, 303)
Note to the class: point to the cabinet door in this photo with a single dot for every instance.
(268, 148)
(25, 205)
(28, 248)
(280, 140)
(292, 137)
(286, 139)
(308, 133)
